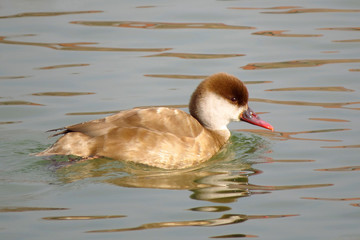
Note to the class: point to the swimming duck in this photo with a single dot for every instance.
(164, 137)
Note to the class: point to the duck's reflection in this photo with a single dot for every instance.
(219, 187)
(223, 220)
(223, 179)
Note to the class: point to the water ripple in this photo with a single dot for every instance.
(62, 94)
(183, 76)
(237, 235)
(159, 25)
(296, 63)
(196, 55)
(223, 220)
(329, 119)
(13, 77)
(29, 209)
(331, 199)
(330, 89)
(78, 46)
(47, 14)
(83, 217)
(315, 10)
(341, 169)
(341, 28)
(347, 41)
(176, 76)
(210, 209)
(297, 9)
(280, 33)
(344, 146)
(19, 102)
(257, 8)
(281, 136)
(63, 66)
(341, 105)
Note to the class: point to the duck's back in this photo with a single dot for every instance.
(160, 137)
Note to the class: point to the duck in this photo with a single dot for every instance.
(164, 137)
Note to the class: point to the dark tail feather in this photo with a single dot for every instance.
(63, 131)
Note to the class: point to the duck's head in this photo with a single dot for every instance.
(220, 99)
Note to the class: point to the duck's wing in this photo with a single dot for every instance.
(91, 128)
(162, 119)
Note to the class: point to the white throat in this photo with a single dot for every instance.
(215, 112)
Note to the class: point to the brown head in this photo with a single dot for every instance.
(220, 99)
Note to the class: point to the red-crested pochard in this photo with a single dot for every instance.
(164, 137)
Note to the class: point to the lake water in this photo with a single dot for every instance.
(64, 62)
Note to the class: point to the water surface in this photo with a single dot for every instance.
(63, 62)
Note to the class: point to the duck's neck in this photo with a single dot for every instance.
(220, 136)
(211, 111)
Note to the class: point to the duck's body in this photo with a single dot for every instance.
(173, 141)
(164, 137)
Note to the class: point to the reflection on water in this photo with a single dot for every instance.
(315, 10)
(280, 33)
(78, 46)
(255, 8)
(196, 55)
(63, 66)
(281, 136)
(336, 200)
(182, 76)
(296, 9)
(236, 236)
(347, 41)
(160, 25)
(176, 76)
(329, 89)
(29, 209)
(329, 119)
(341, 169)
(12, 77)
(147, 6)
(296, 63)
(342, 28)
(224, 179)
(10, 122)
(18, 102)
(270, 160)
(312, 104)
(46, 14)
(62, 94)
(223, 220)
(331, 199)
(344, 146)
(211, 209)
(83, 217)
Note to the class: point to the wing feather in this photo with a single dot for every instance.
(166, 120)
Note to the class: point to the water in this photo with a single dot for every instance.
(64, 62)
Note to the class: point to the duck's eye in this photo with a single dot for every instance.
(234, 99)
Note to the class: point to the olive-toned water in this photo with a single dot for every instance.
(63, 62)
